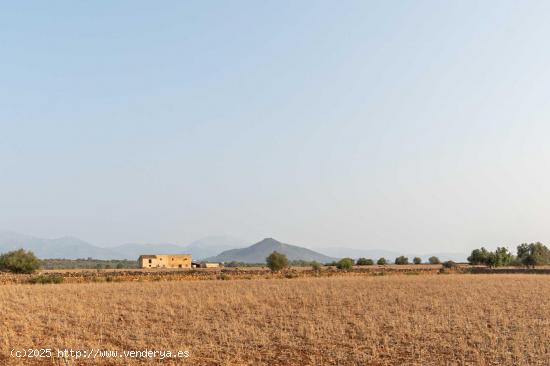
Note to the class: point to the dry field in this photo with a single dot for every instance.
(386, 320)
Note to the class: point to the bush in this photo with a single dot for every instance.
(19, 261)
(434, 260)
(382, 261)
(345, 264)
(316, 266)
(401, 260)
(365, 262)
(417, 260)
(277, 261)
(516, 262)
(43, 279)
(450, 264)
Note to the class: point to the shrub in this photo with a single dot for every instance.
(382, 261)
(365, 262)
(43, 279)
(316, 266)
(450, 264)
(276, 261)
(417, 260)
(401, 260)
(19, 261)
(345, 264)
(434, 260)
(516, 262)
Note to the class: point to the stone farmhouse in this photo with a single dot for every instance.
(165, 261)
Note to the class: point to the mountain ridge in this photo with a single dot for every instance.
(219, 248)
(70, 247)
(257, 253)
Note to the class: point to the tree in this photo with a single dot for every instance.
(434, 260)
(500, 257)
(19, 261)
(277, 261)
(534, 254)
(365, 262)
(382, 261)
(479, 256)
(417, 260)
(401, 260)
(345, 264)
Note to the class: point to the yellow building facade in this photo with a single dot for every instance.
(165, 261)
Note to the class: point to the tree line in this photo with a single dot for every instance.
(277, 261)
(529, 255)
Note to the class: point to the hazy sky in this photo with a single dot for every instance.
(407, 125)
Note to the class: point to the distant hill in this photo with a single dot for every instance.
(65, 247)
(199, 249)
(258, 252)
(212, 245)
(69, 247)
(134, 250)
(74, 248)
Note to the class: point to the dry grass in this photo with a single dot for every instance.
(448, 319)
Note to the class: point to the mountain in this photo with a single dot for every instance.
(199, 249)
(258, 252)
(64, 247)
(134, 250)
(69, 247)
(73, 248)
(212, 245)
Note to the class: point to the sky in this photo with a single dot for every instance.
(405, 125)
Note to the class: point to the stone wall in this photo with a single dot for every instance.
(85, 276)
